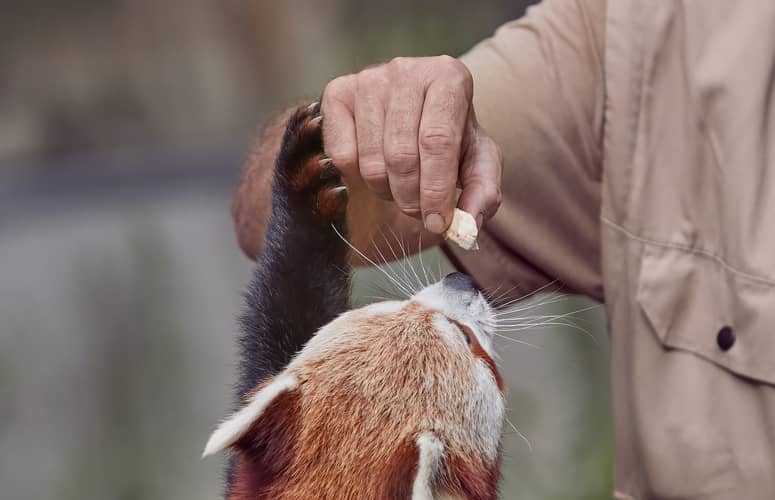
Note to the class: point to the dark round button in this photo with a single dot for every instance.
(725, 338)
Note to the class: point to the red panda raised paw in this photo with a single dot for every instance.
(303, 168)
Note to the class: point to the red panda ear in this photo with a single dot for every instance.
(430, 451)
(236, 430)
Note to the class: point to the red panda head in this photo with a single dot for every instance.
(398, 399)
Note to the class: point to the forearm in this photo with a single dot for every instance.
(253, 199)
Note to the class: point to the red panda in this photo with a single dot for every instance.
(398, 399)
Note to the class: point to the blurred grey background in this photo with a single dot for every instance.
(123, 127)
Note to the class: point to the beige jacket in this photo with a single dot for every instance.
(639, 140)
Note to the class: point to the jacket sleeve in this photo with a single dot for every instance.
(539, 92)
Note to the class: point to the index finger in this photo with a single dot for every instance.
(339, 139)
(442, 128)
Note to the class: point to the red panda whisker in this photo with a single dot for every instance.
(492, 294)
(517, 327)
(524, 438)
(387, 242)
(390, 267)
(406, 278)
(531, 304)
(530, 294)
(364, 257)
(422, 265)
(546, 325)
(503, 294)
(551, 316)
(389, 293)
(419, 258)
(550, 298)
(414, 272)
(399, 242)
(407, 261)
(376, 297)
(376, 247)
(397, 259)
(537, 321)
(526, 304)
(417, 278)
(516, 341)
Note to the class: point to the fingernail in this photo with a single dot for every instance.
(479, 220)
(434, 223)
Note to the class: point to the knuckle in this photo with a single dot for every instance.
(446, 60)
(401, 64)
(498, 153)
(336, 88)
(370, 78)
(342, 157)
(491, 196)
(402, 157)
(438, 141)
(457, 73)
(495, 197)
(374, 173)
(406, 193)
(407, 197)
(410, 209)
(487, 191)
(434, 192)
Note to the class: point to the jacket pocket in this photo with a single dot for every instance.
(697, 303)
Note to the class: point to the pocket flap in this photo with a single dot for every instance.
(689, 298)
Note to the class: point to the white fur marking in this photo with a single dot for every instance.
(384, 307)
(491, 409)
(449, 333)
(470, 309)
(430, 451)
(238, 424)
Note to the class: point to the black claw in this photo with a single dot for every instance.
(342, 192)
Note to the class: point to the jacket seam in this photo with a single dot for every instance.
(694, 250)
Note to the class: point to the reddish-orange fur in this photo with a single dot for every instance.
(471, 483)
(307, 175)
(349, 430)
(253, 200)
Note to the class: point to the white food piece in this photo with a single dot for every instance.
(463, 230)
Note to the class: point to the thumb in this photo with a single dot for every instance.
(480, 178)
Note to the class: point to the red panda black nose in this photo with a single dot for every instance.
(461, 282)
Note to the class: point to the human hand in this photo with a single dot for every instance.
(407, 129)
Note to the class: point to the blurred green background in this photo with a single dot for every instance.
(123, 127)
